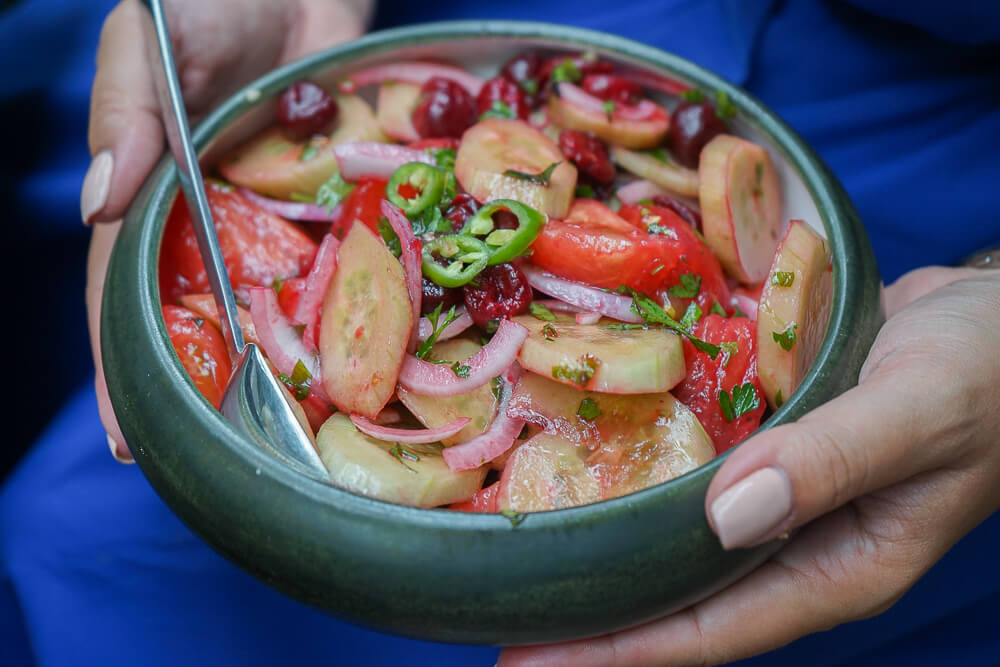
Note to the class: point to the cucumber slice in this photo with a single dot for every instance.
(413, 475)
(546, 473)
(740, 206)
(493, 146)
(273, 165)
(365, 325)
(595, 357)
(794, 306)
(479, 405)
(639, 134)
(396, 102)
(668, 175)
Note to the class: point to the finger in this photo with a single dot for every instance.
(921, 282)
(874, 435)
(125, 133)
(850, 565)
(101, 243)
(319, 24)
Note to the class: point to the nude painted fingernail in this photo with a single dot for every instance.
(749, 510)
(96, 185)
(120, 451)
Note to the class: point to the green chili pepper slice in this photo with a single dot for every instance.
(505, 244)
(428, 181)
(467, 256)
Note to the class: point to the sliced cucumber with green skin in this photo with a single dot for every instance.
(414, 475)
(598, 358)
(274, 165)
(479, 405)
(630, 442)
(493, 146)
(668, 175)
(365, 325)
(394, 106)
(740, 200)
(794, 311)
(546, 473)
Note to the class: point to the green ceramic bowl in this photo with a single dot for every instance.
(436, 574)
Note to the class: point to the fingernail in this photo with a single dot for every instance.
(120, 451)
(96, 185)
(749, 510)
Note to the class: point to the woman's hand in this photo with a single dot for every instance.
(891, 474)
(219, 46)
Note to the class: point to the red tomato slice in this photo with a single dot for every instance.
(687, 254)
(201, 349)
(707, 377)
(290, 294)
(364, 204)
(483, 500)
(257, 247)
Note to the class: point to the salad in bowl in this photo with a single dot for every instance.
(526, 285)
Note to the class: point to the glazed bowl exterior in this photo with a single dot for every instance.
(437, 574)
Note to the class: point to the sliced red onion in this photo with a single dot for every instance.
(638, 190)
(584, 297)
(497, 439)
(494, 358)
(292, 210)
(372, 159)
(557, 306)
(280, 341)
(411, 72)
(318, 279)
(587, 318)
(388, 416)
(410, 257)
(656, 81)
(458, 325)
(580, 98)
(408, 436)
(747, 304)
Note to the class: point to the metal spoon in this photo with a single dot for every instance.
(254, 402)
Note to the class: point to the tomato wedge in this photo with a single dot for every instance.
(707, 377)
(687, 255)
(483, 500)
(290, 294)
(257, 247)
(201, 349)
(364, 204)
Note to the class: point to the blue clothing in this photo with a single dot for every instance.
(900, 99)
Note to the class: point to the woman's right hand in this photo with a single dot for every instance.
(218, 46)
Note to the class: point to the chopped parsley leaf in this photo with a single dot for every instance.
(717, 309)
(729, 348)
(541, 178)
(786, 339)
(691, 316)
(580, 373)
(653, 313)
(529, 86)
(492, 326)
(549, 332)
(400, 453)
(433, 316)
(659, 154)
(609, 108)
(693, 95)
(779, 400)
(744, 399)
(622, 326)
(460, 369)
(588, 409)
(738, 312)
(333, 192)
(541, 312)
(308, 153)
(783, 278)
(723, 106)
(566, 71)
(299, 382)
(444, 158)
(689, 287)
(513, 516)
(499, 109)
(584, 191)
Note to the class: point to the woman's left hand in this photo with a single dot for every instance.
(887, 476)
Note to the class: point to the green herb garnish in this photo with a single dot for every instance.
(786, 339)
(432, 317)
(541, 311)
(389, 236)
(541, 178)
(549, 332)
(691, 316)
(566, 71)
(499, 109)
(460, 369)
(299, 382)
(693, 95)
(513, 516)
(622, 326)
(588, 409)
(529, 86)
(783, 278)
(308, 153)
(744, 399)
(688, 288)
(400, 453)
(333, 192)
(729, 348)
(652, 313)
(717, 309)
(609, 108)
(779, 400)
(584, 191)
(659, 154)
(723, 106)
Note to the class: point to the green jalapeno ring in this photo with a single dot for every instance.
(505, 244)
(468, 257)
(426, 179)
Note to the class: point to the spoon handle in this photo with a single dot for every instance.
(189, 172)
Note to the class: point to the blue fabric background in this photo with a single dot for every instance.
(901, 100)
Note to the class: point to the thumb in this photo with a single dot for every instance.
(876, 434)
(125, 133)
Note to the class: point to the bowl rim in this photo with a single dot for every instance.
(842, 227)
